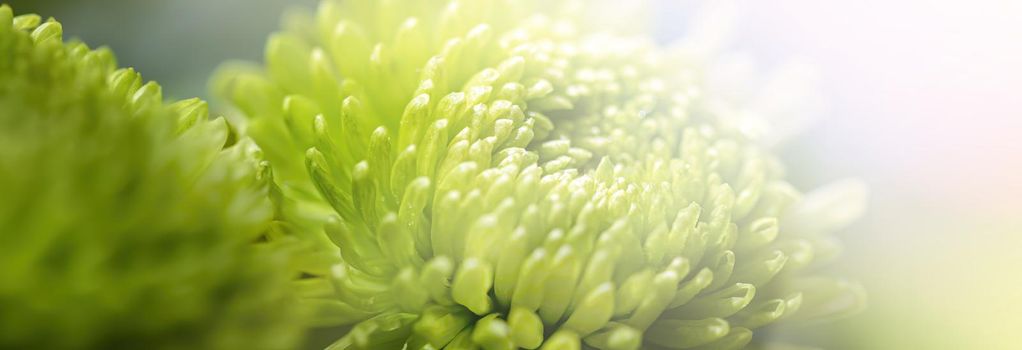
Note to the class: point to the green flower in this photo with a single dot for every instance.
(126, 222)
(483, 174)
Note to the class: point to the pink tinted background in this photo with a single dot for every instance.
(925, 104)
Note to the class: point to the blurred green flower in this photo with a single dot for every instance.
(483, 174)
(126, 222)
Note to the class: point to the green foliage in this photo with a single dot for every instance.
(482, 174)
(126, 222)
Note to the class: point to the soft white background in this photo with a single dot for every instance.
(925, 104)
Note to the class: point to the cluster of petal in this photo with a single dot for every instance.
(125, 222)
(481, 174)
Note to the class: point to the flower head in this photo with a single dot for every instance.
(482, 174)
(125, 221)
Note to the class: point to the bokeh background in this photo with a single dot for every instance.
(922, 99)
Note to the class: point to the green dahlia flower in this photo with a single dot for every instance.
(482, 174)
(125, 222)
